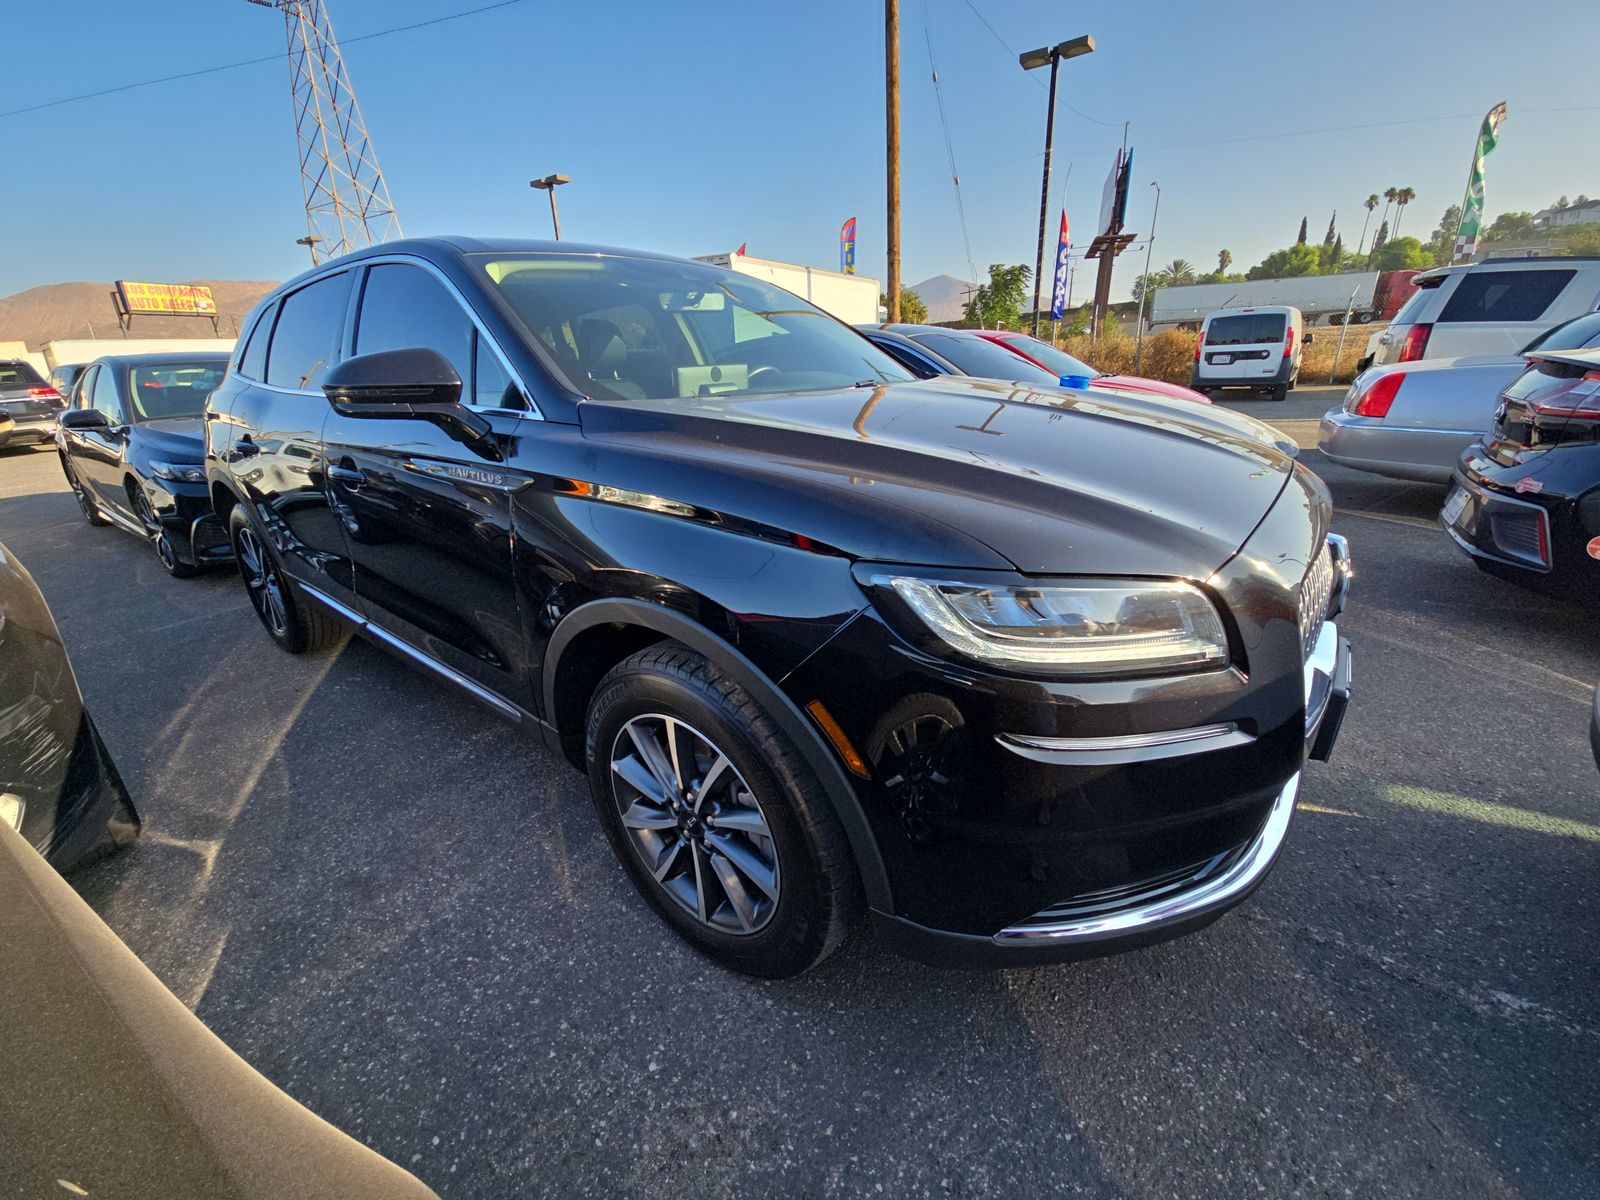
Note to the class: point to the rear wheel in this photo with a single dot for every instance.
(1281, 392)
(90, 511)
(166, 552)
(296, 624)
(716, 816)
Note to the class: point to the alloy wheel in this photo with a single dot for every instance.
(262, 581)
(158, 537)
(695, 823)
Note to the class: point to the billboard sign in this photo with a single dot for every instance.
(165, 299)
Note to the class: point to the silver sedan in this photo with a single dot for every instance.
(1412, 420)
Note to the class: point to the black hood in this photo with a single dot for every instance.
(959, 472)
(182, 439)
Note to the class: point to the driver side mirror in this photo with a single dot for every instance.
(415, 384)
(84, 418)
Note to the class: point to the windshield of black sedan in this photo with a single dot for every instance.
(643, 329)
(173, 389)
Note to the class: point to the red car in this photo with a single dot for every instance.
(1059, 362)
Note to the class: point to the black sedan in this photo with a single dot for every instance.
(133, 450)
(1032, 673)
(58, 785)
(1525, 501)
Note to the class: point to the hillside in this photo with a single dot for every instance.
(945, 296)
(80, 310)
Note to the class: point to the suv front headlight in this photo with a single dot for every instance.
(1088, 627)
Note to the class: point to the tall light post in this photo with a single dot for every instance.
(1051, 56)
(310, 243)
(549, 184)
(1144, 292)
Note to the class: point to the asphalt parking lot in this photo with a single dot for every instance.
(403, 913)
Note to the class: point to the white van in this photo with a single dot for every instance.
(1256, 348)
(1495, 306)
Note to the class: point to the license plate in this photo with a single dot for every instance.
(1454, 504)
(1222, 360)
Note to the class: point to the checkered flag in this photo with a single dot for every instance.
(1472, 207)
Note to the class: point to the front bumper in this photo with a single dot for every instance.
(189, 522)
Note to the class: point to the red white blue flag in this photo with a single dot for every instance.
(1058, 294)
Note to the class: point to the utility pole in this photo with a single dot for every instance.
(1144, 291)
(891, 54)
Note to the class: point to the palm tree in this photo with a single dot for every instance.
(1224, 261)
(1370, 203)
(1389, 195)
(1178, 272)
(1402, 197)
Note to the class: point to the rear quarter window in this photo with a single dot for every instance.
(252, 362)
(1501, 296)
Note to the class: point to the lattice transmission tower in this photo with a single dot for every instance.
(347, 201)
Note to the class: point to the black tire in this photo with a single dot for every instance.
(296, 624)
(818, 892)
(1279, 393)
(166, 550)
(86, 505)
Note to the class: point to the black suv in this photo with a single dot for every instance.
(1033, 675)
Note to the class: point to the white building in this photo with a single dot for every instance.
(1586, 212)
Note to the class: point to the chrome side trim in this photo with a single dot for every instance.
(1343, 572)
(1207, 898)
(449, 674)
(1124, 748)
(1319, 670)
(122, 522)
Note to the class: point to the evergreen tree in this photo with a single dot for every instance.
(1327, 238)
(1301, 240)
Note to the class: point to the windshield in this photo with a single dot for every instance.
(1058, 361)
(1245, 329)
(981, 358)
(1575, 334)
(644, 329)
(176, 389)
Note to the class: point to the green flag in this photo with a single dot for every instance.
(1472, 206)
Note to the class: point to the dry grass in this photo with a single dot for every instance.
(1170, 355)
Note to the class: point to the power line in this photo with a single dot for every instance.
(251, 62)
(949, 146)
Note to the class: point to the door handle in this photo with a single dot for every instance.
(349, 476)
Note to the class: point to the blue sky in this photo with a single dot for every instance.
(696, 125)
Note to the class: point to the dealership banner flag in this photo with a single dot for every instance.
(1472, 206)
(847, 247)
(1058, 295)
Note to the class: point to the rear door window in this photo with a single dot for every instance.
(1245, 329)
(306, 338)
(1501, 296)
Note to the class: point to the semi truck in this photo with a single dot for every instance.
(1368, 295)
(851, 298)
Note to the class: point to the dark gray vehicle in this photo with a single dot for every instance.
(31, 403)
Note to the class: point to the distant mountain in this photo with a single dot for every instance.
(945, 296)
(80, 310)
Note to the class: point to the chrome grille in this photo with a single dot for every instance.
(1315, 590)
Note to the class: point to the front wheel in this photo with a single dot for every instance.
(166, 551)
(715, 815)
(292, 622)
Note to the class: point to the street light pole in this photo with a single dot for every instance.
(1144, 292)
(1038, 58)
(549, 184)
(310, 243)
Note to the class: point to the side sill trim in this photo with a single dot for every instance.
(1125, 748)
(1216, 894)
(404, 648)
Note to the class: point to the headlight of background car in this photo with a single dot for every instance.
(1089, 627)
(178, 472)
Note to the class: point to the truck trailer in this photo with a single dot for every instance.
(1369, 296)
(851, 298)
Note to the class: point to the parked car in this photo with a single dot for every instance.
(1412, 420)
(1033, 673)
(930, 351)
(1254, 348)
(1488, 307)
(58, 785)
(7, 428)
(30, 402)
(1525, 501)
(110, 1087)
(133, 451)
(64, 376)
(1056, 360)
